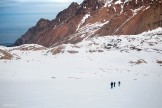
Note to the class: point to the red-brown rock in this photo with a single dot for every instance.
(95, 18)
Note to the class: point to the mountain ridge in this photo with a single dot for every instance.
(95, 18)
(147, 42)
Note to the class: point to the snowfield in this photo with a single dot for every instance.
(79, 75)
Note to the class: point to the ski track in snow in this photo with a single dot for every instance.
(39, 79)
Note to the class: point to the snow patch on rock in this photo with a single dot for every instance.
(83, 20)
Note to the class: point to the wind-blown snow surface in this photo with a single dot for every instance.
(38, 79)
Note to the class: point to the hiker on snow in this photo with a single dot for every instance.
(114, 84)
(111, 84)
(119, 83)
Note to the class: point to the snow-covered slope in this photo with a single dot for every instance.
(150, 41)
(79, 75)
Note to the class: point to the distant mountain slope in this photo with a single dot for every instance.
(95, 18)
(147, 42)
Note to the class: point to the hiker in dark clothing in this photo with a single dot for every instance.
(119, 83)
(111, 84)
(114, 84)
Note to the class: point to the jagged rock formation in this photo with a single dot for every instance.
(96, 18)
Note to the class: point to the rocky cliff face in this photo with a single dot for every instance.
(95, 18)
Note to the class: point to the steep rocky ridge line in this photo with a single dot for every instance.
(95, 18)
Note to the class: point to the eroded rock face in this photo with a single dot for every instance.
(136, 17)
(95, 18)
